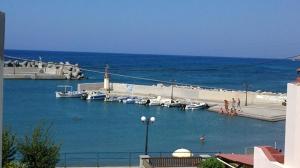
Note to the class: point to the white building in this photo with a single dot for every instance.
(265, 157)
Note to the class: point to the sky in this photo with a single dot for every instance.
(233, 28)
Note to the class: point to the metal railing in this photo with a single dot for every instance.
(101, 159)
(174, 162)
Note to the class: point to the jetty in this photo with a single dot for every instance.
(16, 68)
(261, 105)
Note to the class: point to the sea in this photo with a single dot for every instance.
(86, 128)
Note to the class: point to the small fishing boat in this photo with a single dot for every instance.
(67, 92)
(172, 103)
(96, 95)
(154, 102)
(142, 101)
(195, 106)
(111, 99)
(121, 98)
(129, 101)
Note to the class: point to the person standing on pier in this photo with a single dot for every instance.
(226, 104)
(239, 103)
(233, 104)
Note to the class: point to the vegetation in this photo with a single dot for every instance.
(39, 150)
(8, 147)
(211, 163)
(15, 165)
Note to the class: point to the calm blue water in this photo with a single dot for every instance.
(82, 126)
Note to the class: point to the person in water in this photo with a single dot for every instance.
(202, 139)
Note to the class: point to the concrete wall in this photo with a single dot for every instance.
(2, 23)
(206, 95)
(215, 95)
(261, 160)
(292, 128)
(20, 70)
(53, 71)
(89, 86)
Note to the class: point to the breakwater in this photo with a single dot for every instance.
(32, 69)
(260, 105)
(192, 93)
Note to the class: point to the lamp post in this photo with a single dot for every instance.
(246, 84)
(147, 121)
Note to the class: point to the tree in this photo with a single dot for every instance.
(39, 150)
(211, 163)
(8, 147)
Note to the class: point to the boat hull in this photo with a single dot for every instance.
(68, 95)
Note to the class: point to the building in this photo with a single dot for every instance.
(267, 157)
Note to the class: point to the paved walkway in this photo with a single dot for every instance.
(267, 112)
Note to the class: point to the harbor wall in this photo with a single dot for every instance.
(210, 95)
(189, 93)
(20, 70)
(90, 86)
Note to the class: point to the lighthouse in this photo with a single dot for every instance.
(106, 79)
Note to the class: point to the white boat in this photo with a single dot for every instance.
(121, 98)
(96, 95)
(172, 103)
(111, 99)
(142, 101)
(154, 102)
(67, 92)
(128, 101)
(195, 106)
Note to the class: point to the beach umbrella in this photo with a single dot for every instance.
(182, 153)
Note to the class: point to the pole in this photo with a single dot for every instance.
(146, 143)
(172, 96)
(2, 23)
(246, 88)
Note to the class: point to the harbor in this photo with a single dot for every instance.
(113, 123)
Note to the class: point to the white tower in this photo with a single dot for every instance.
(106, 79)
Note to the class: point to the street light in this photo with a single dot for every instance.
(147, 121)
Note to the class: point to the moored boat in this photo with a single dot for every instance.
(128, 101)
(142, 101)
(67, 92)
(96, 95)
(195, 106)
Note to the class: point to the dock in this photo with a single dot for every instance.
(266, 112)
(265, 106)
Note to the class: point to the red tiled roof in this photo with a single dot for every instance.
(237, 158)
(272, 154)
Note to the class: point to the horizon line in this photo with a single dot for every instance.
(120, 53)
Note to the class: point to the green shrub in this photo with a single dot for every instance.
(39, 150)
(211, 163)
(15, 165)
(8, 147)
